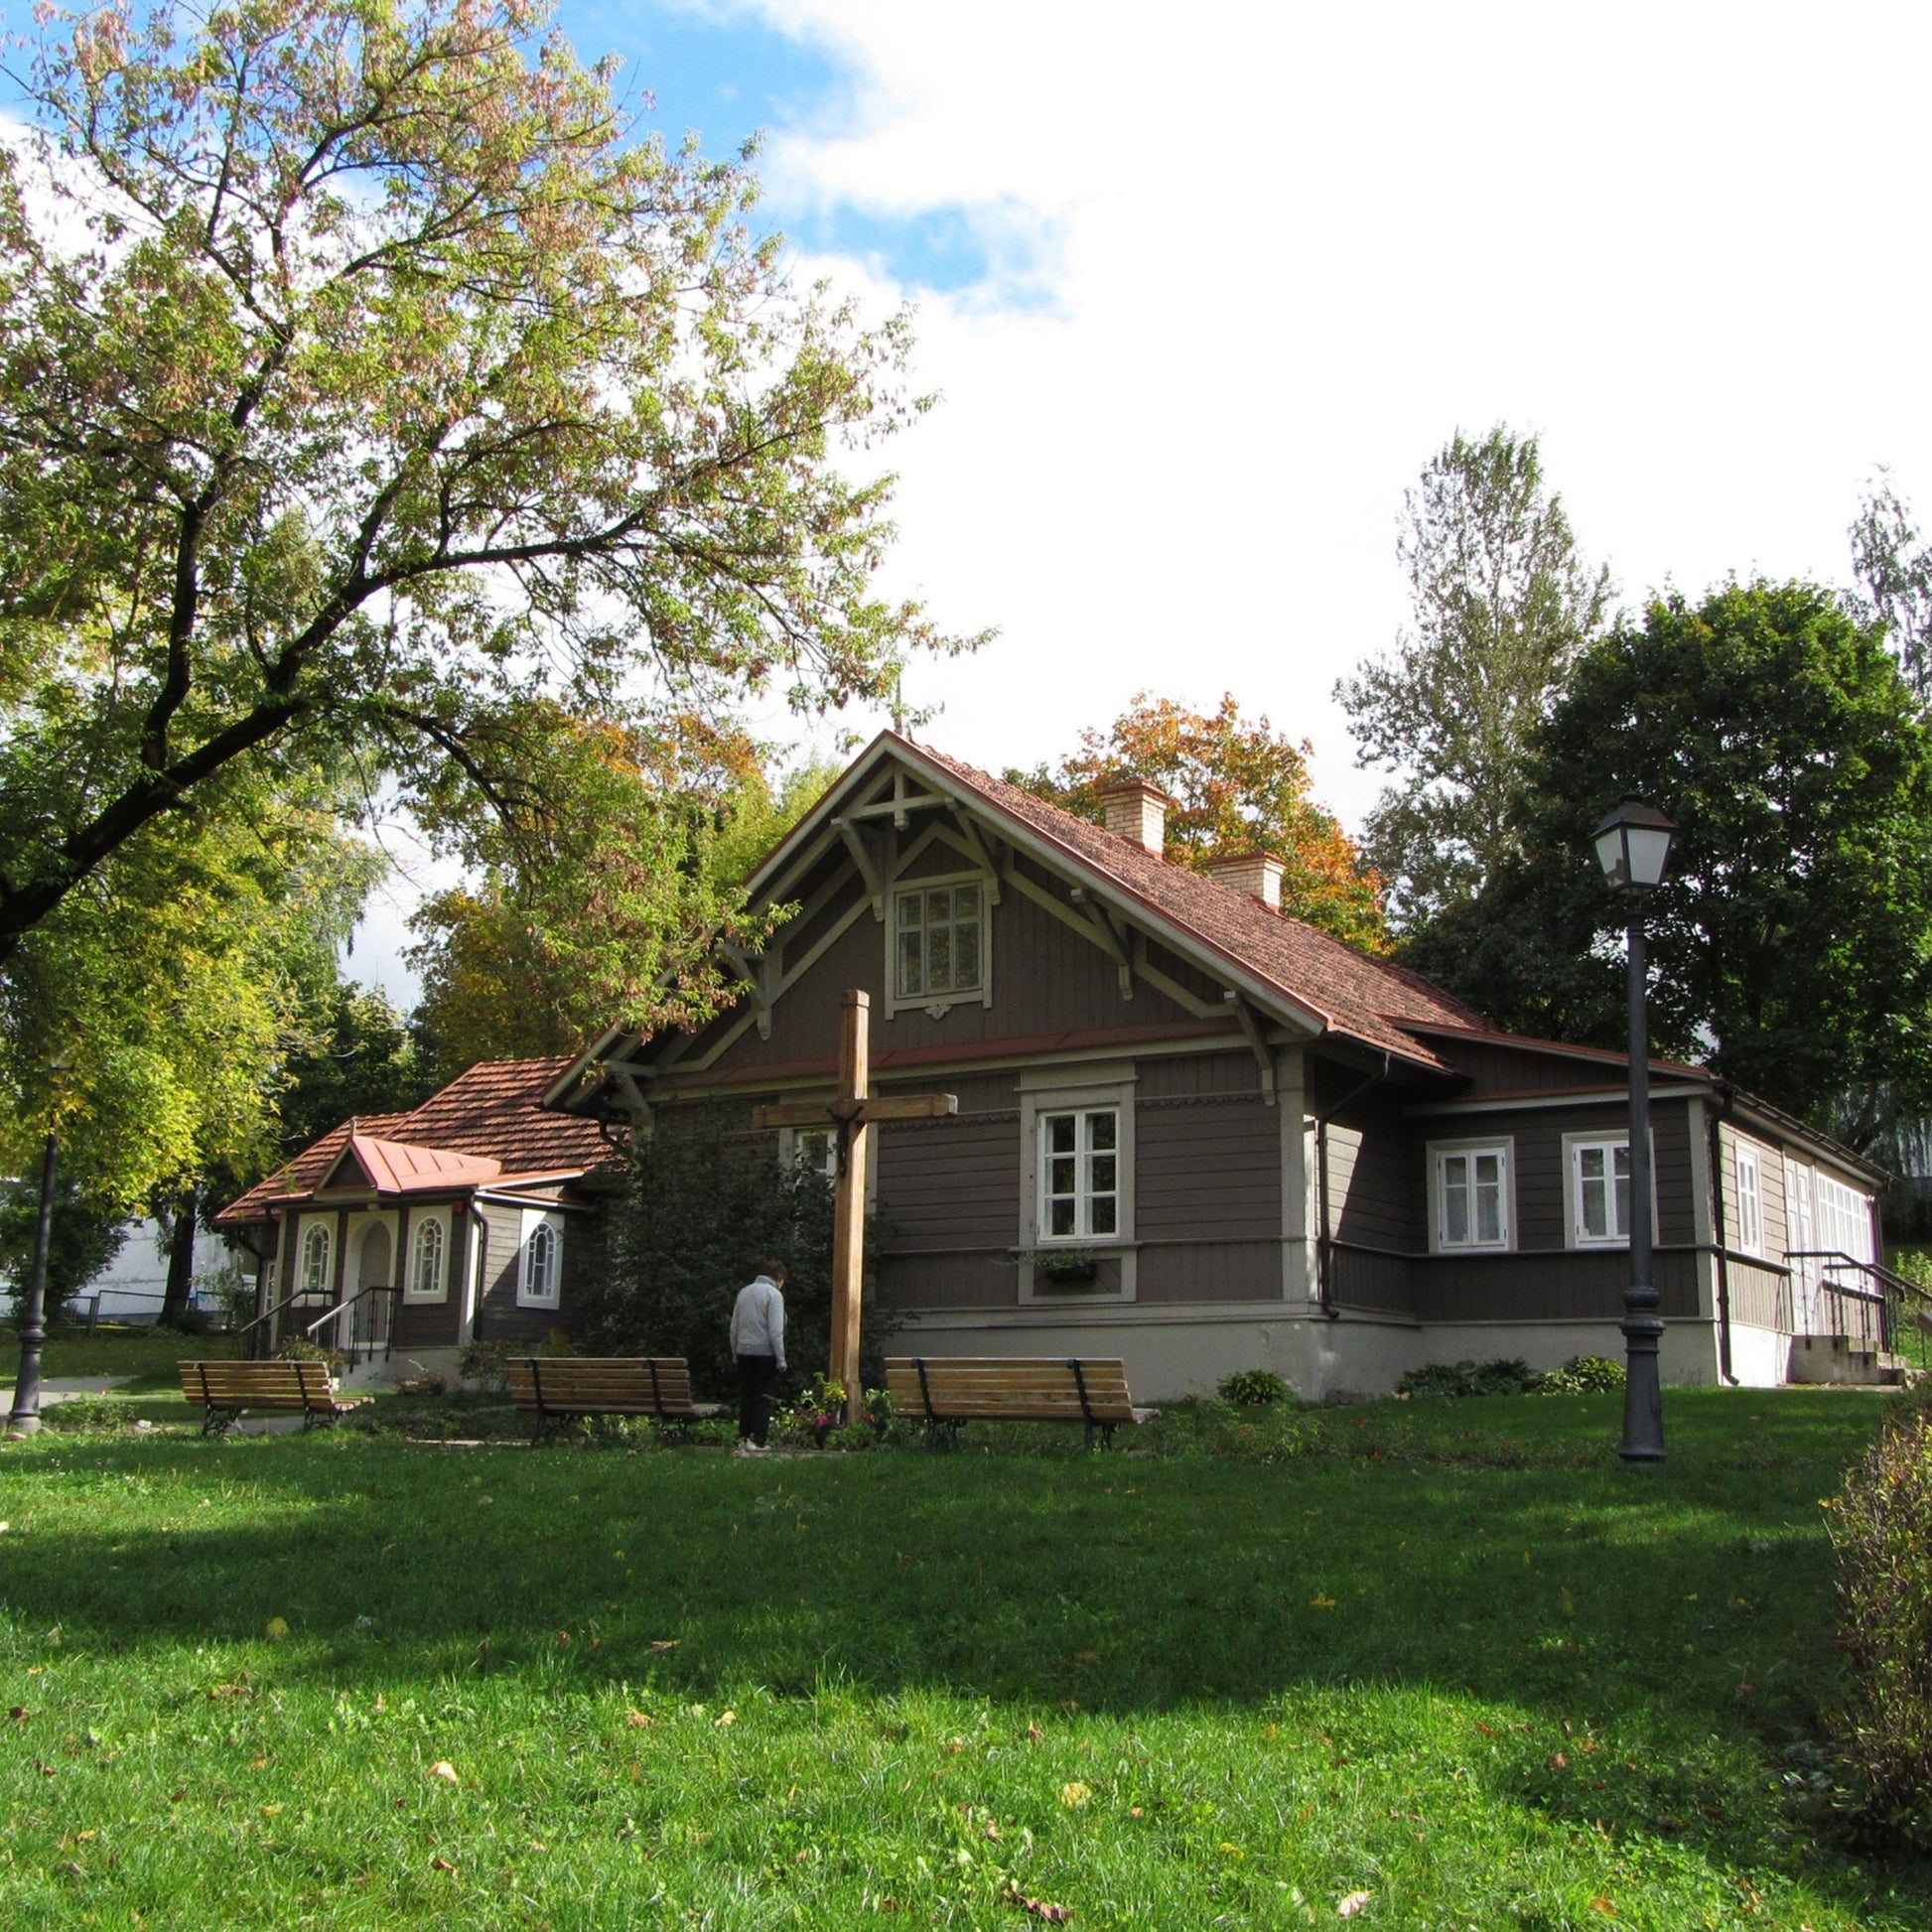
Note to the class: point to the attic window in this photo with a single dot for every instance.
(938, 943)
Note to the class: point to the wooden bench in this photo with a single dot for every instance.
(946, 1392)
(557, 1388)
(229, 1390)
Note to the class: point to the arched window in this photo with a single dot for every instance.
(426, 1270)
(541, 1279)
(315, 1258)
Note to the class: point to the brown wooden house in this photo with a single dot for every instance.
(401, 1238)
(1198, 1134)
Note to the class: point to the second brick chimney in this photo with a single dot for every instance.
(1138, 811)
(1258, 874)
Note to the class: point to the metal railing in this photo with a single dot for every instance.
(372, 1333)
(1869, 1304)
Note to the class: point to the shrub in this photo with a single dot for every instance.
(1253, 1388)
(1581, 1375)
(1506, 1375)
(1881, 1527)
(299, 1348)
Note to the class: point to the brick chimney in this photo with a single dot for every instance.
(1138, 811)
(1258, 874)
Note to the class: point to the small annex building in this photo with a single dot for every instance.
(1195, 1133)
(399, 1239)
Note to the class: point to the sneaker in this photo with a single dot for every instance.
(750, 1448)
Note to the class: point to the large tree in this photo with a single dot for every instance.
(1791, 943)
(397, 402)
(1503, 602)
(1237, 785)
(1891, 567)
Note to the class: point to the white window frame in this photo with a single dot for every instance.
(312, 1225)
(1747, 1159)
(439, 1218)
(1084, 1154)
(1066, 1090)
(938, 1005)
(795, 1151)
(1439, 1153)
(1575, 1145)
(1843, 1217)
(533, 1219)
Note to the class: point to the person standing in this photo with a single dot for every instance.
(759, 1348)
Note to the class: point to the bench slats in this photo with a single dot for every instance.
(950, 1390)
(566, 1385)
(226, 1390)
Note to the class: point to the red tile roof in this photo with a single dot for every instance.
(1353, 991)
(489, 1113)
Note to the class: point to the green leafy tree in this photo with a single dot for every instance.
(402, 404)
(1891, 564)
(706, 1203)
(83, 1235)
(1791, 943)
(1503, 603)
(1237, 785)
(145, 1020)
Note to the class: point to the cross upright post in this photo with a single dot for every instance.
(853, 1109)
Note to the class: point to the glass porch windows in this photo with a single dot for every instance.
(939, 937)
(1473, 1197)
(426, 1269)
(1602, 1192)
(1079, 1177)
(315, 1279)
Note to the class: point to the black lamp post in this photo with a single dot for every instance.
(1633, 846)
(26, 1417)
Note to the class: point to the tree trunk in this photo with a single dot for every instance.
(181, 1258)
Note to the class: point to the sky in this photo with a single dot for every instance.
(1201, 292)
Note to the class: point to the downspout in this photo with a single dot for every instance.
(1324, 1287)
(479, 1228)
(1719, 1114)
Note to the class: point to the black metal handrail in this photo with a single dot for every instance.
(269, 1314)
(341, 1309)
(1884, 1288)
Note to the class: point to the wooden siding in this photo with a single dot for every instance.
(1210, 1271)
(1046, 979)
(1491, 1066)
(948, 1193)
(1537, 1285)
(499, 1318)
(1760, 1297)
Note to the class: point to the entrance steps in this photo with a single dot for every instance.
(1846, 1362)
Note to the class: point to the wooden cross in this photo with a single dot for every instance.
(849, 1115)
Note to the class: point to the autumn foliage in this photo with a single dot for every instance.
(1236, 786)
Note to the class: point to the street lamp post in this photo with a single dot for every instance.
(26, 1417)
(1634, 847)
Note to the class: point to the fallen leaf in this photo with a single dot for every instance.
(563, 1636)
(1558, 1762)
(271, 1811)
(276, 1628)
(1010, 1894)
(663, 1644)
(443, 1769)
(258, 1763)
(1604, 1906)
(1035, 1734)
(175, 1797)
(441, 1865)
(727, 1718)
(1074, 1795)
(1321, 1602)
(223, 1691)
(639, 1720)
(1087, 1656)
(1353, 1903)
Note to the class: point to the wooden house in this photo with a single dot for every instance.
(400, 1239)
(1195, 1133)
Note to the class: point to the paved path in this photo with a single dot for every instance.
(57, 1388)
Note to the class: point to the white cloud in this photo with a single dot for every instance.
(1297, 247)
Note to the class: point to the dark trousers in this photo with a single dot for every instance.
(758, 1376)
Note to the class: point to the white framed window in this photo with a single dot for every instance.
(938, 937)
(1470, 1185)
(1076, 1151)
(1751, 1198)
(428, 1279)
(815, 1147)
(1080, 1174)
(316, 1275)
(539, 1281)
(1599, 1169)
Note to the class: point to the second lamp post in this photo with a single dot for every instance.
(1634, 847)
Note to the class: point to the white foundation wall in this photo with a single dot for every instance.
(1186, 1352)
(1760, 1358)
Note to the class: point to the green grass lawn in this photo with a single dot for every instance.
(147, 1355)
(1451, 1656)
